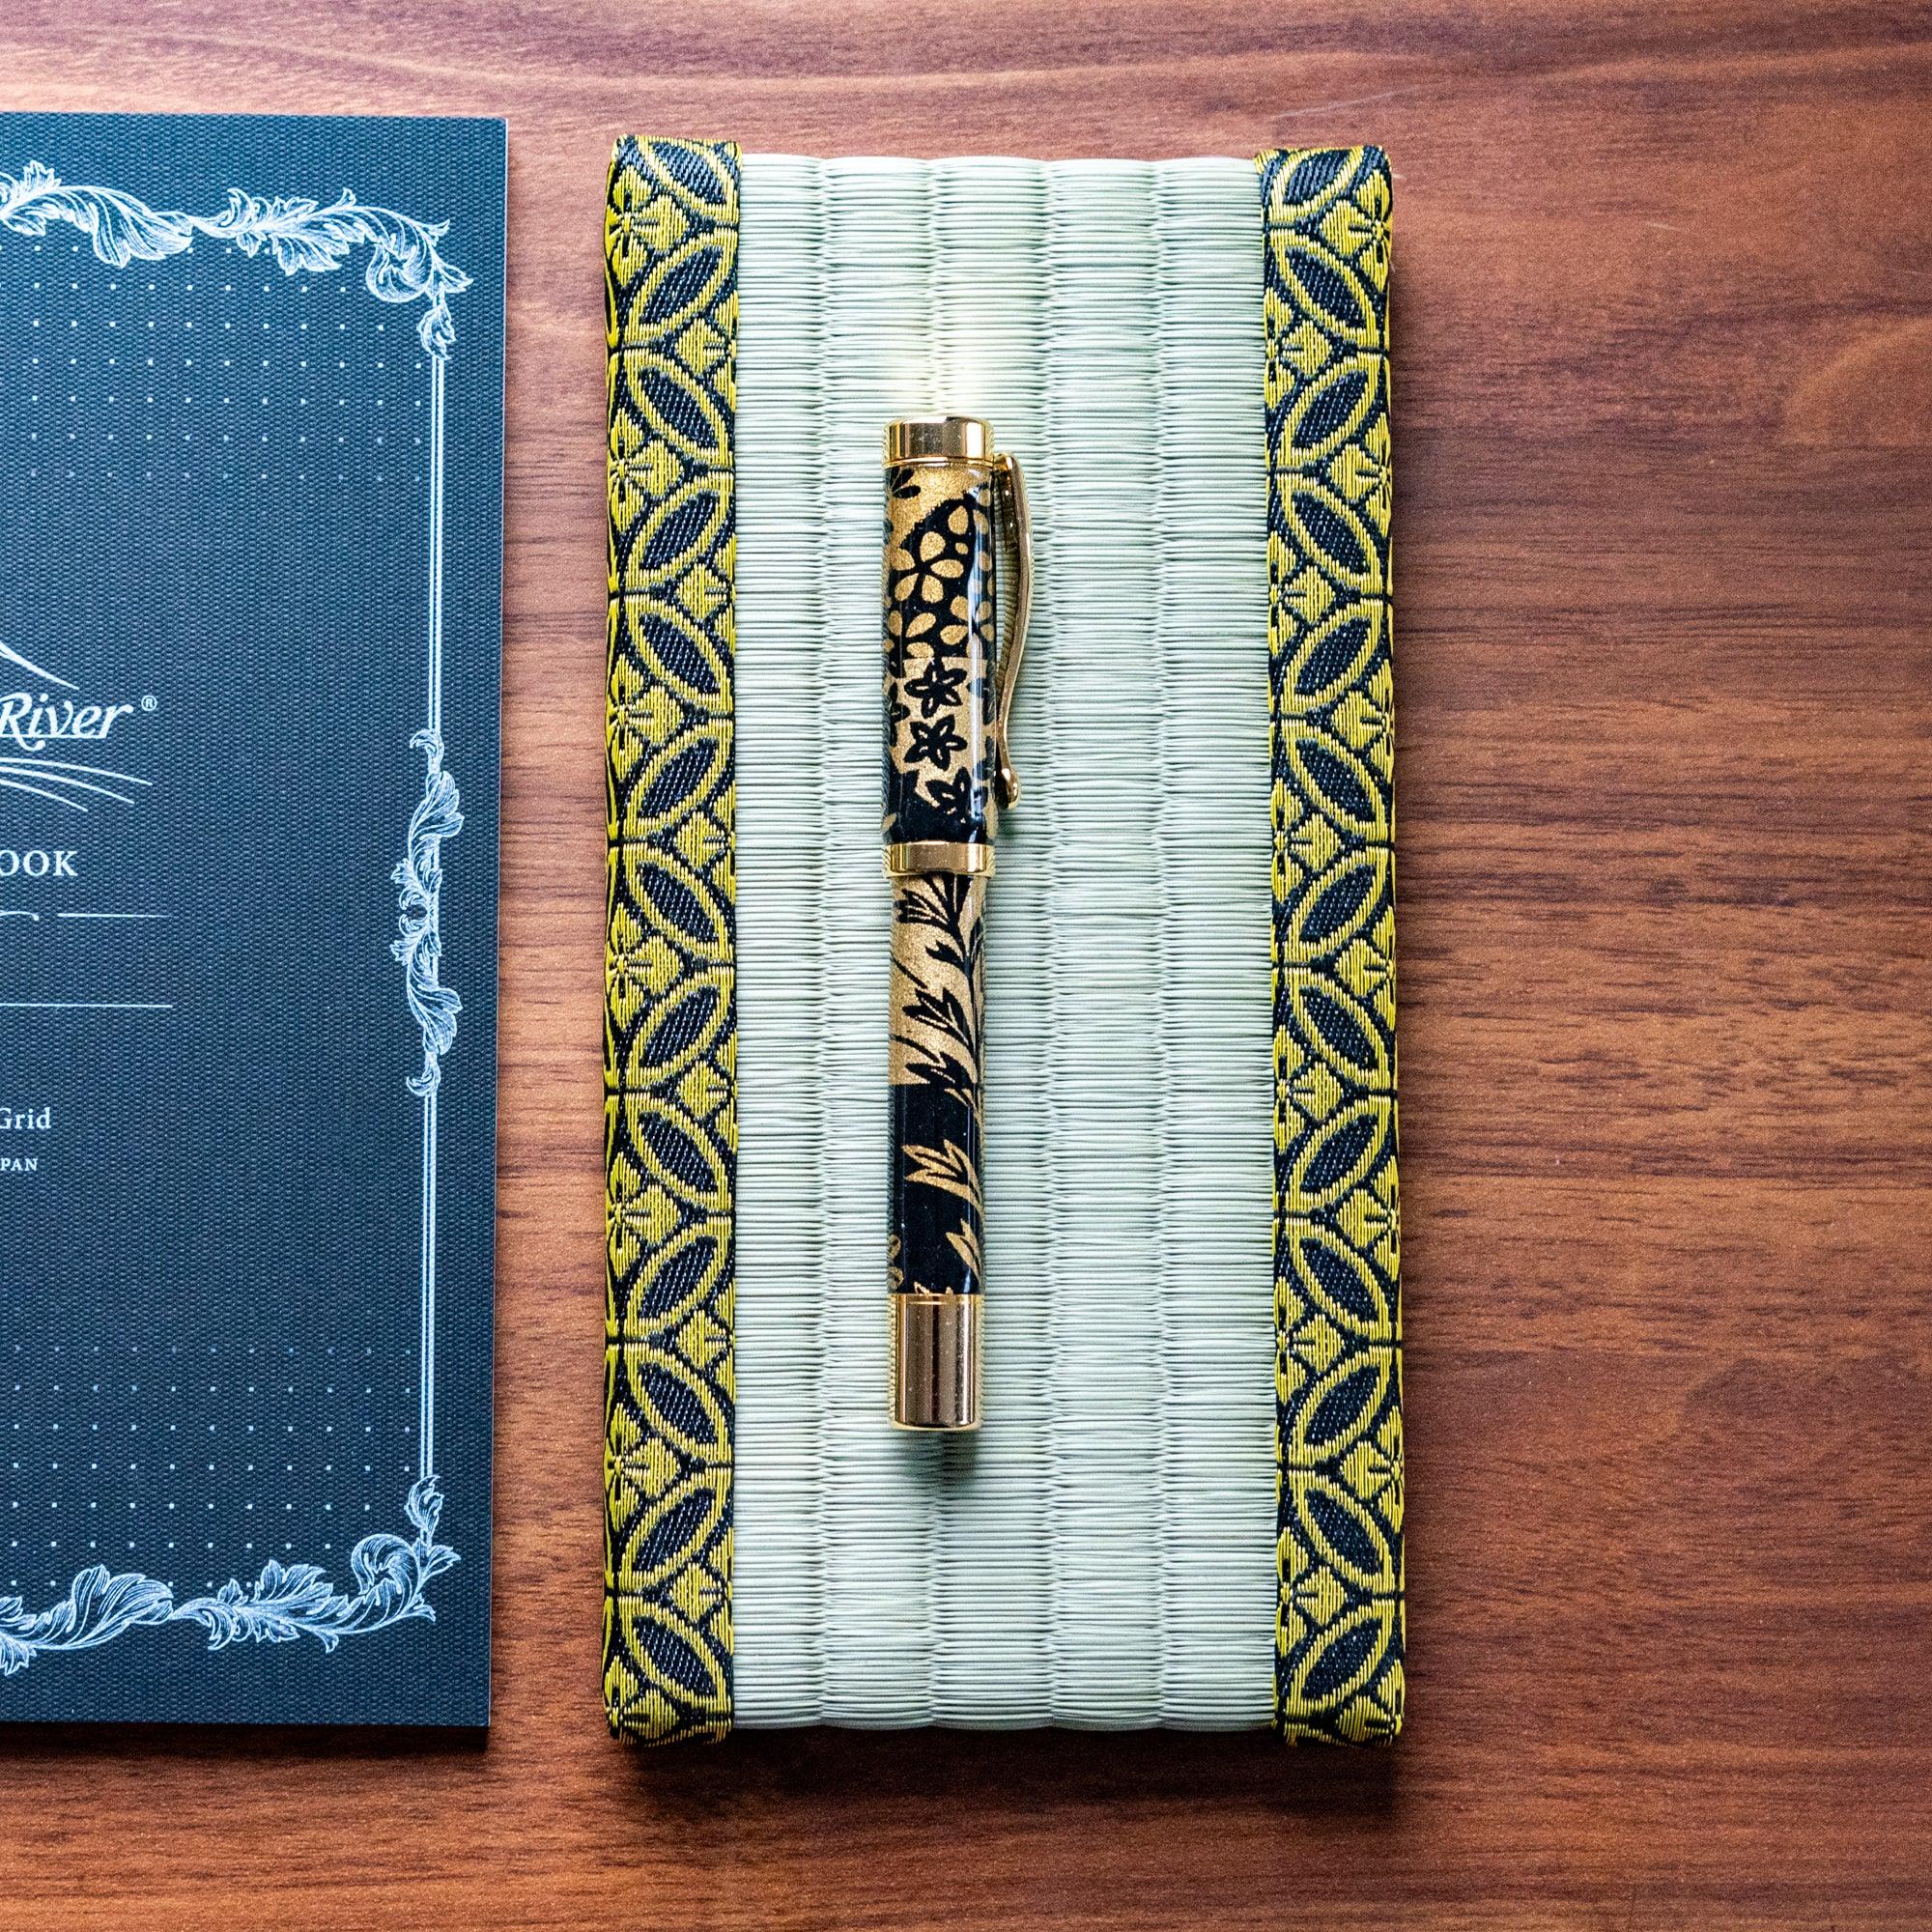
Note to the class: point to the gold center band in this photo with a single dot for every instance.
(938, 855)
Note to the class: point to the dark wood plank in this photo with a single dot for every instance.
(1665, 421)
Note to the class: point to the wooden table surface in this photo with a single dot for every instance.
(1663, 295)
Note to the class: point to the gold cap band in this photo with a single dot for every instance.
(939, 439)
(936, 1361)
(911, 858)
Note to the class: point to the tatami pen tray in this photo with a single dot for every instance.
(1183, 1506)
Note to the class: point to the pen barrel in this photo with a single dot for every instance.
(933, 1266)
(939, 823)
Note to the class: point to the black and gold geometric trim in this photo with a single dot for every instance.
(670, 244)
(1339, 1636)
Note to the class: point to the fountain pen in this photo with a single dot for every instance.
(947, 697)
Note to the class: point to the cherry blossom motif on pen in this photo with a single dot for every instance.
(939, 646)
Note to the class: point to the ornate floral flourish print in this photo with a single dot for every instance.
(303, 236)
(1338, 1319)
(670, 239)
(286, 1602)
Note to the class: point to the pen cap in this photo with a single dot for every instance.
(942, 507)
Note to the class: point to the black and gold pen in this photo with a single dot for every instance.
(946, 775)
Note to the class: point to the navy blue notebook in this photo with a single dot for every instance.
(251, 377)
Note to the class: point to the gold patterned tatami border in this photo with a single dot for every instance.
(670, 1124)
(1339, 1635)
(670, 249)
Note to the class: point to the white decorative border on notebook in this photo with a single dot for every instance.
(391, 1574)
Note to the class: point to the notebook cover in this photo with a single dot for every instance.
(250, 494)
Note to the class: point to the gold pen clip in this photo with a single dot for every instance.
(1019, 529)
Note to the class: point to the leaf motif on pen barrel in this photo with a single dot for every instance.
(949, 1168)
(935, 1066)
(937, 984)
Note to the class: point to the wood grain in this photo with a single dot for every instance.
(1664, 446)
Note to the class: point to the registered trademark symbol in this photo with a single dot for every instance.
(150, 703)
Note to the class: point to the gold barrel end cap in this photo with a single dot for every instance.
(939, 439)
(936, 1361)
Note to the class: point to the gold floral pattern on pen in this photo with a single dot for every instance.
(939, 640)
